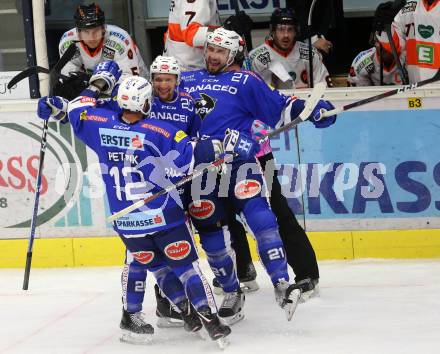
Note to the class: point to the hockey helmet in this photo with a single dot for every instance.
(283, 17)
(165, 65)
(89, 16)
(226, 39)
(134, 93)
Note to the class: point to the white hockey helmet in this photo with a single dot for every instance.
(133, 94)
(165, 65)
(226, 39)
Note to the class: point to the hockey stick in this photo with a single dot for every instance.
(34, 70)
(397, 5)
(400, 67)
(380, 96)
(53, 75)
(310, 105)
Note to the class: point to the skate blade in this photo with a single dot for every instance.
(290, 307)
(249, 286)
(231, 320)
(222, 343)
(307, 295)
(135, 338)
(166, 322)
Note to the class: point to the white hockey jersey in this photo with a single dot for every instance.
(365, 71)
(416, 33)
(117, 46)
(293, 72)
(188, 25)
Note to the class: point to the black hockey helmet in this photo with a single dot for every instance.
(283, 17)
(89, 16)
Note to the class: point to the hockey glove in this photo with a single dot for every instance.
(207, 151)
(259, 133)
(315, 117)
(105, 76)
(259, 130)
(238, 143)
(55, 107)
(71, 86)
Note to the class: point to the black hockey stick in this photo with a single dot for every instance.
(397, 5)
(310, 105)
(33, 70)
(53, 75)
(400, 67)
(380, 96)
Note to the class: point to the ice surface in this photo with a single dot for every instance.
(367, 306)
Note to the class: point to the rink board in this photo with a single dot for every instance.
(369, 186)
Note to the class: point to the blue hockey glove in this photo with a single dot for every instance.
(239, 143)
(55, 107)
(105, 76)
(315, 117)
(260, 130)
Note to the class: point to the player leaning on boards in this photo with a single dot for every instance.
(133, 154)
(416, 35)
(282, 61)
(366, 68)
(98, 42)
(234, 99)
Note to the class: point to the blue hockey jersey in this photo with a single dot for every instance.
(180, 112)
(233, 99)
(136, 160)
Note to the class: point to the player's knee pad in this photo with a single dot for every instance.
(258, 215)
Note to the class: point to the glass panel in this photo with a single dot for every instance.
(12, 45)
(61, 12)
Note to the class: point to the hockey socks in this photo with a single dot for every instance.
(272, 255)
(133, 286)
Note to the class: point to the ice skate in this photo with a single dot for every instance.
(247, 278)
(309, 288)
(287, 296)
(217, 331)
(167, 316)
(190, 318)
(134, 329)
(231, 308)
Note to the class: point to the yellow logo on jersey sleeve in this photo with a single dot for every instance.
(179, 136)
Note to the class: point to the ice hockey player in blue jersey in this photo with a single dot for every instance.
(229, 99)
(171, 104)
(176, 108)
(136, 156)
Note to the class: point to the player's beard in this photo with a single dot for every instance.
(214, 68)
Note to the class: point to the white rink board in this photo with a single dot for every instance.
(20, 130)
